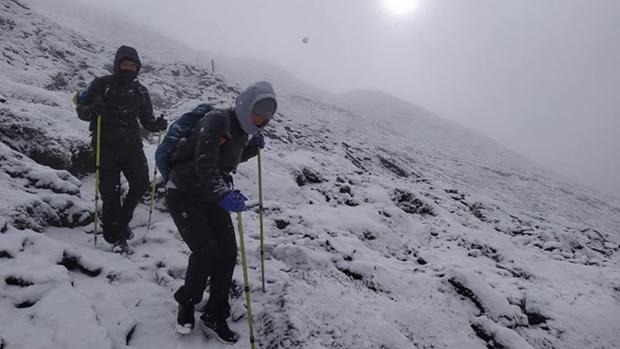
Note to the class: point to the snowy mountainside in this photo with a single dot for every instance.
(378, 234)
(114, 29)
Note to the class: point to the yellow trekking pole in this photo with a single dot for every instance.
(148, 225)
(260, 218)
(97, 169)
(246, 282)
(75, 100)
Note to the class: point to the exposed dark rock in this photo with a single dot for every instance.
(369, 235)
(307, 176)
(534, 318)
(482, 333)
(27, 242)
(18, 131)
(37, 214)
(49, 157)
(597, 242)
(281, 223)
(345, 189)
(146, 68)
(516, 272)
(478, 248)
(17, 281)
(351, 274)
(276, 330)
(410, 204)
(477, 209)
(6, 24)
(112, 276)
(5, 254)
(464, 291)
(177, 273)
(328, 246)
(73, 263)
(350, 154)
(20, 4)
(393, 167)
(351, 202)
(25, 304)
(58, 81)
(130, 334)
(385, 214)
(109, 67)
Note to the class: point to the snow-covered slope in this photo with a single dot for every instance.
(114, 29)
(386, 227)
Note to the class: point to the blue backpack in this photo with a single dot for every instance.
(179, 129)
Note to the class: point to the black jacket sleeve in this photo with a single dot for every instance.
(250, 151)
(94, 91)
(146, 110)
(206, 156)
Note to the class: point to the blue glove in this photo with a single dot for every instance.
(234, 201)
(258, 141)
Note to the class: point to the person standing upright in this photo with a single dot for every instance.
(123, 103)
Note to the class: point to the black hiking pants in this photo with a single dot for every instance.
(208, 231)
(117, 212)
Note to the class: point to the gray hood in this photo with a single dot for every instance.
(245, 104)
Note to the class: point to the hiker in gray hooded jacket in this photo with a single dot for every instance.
(200, 198)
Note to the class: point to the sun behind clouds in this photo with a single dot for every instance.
(400, 7)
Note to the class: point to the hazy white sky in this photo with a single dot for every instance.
(540, 76)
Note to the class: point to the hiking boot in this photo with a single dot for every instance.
(185, 319)
(121, 247)
(218, 329)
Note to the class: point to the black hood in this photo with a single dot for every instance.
(126, 52)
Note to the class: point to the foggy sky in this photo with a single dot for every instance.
(540, 76)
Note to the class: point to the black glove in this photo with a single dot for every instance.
(97, 106)
(257, 141)
(160, 124)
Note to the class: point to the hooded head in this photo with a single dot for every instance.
(259, 98)
(126, 53)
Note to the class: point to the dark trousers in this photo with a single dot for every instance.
(208, 231)
(116, 213)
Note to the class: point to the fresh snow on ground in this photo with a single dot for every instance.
(386, 226)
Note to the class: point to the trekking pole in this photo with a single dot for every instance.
(260, 218)
(148, 225)
(97, 170)
(246, 282)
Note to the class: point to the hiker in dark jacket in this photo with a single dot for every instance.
(121, 101)
(200, 198)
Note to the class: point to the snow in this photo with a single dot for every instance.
(489, 300)
(386, 226)
(500, 336)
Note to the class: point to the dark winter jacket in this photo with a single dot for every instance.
(120, 103)
(202, 163)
